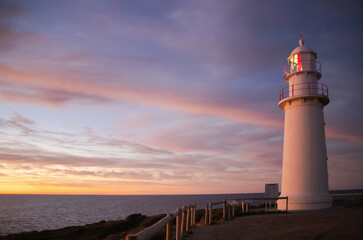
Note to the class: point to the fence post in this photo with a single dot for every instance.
(229, 212)
(224, 209)
(247, 207)
(353, 199)
(195, 212)
(188, 220)
(192, 216)
(177, 226)
(210, 213)
(206, 216)
(265, 205)
(243, 206)
(169, 228)
(233, 210)
(182, 223)
(287, 203)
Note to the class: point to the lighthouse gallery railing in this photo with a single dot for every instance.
(304, 89)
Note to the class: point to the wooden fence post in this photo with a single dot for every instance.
(224, 209)
(243, 206)
(247, 207)
(229, 212)
(194, 213)
(287, 203)
(233, 210)
(169, 228)
(182, 223)
(210, 213)
(270, 203)
(187, 220)
(265, 205)
(191, 216)
(177, 226)
(206, 216)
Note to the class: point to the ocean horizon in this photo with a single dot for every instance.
(37, 212)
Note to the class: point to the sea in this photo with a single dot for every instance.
(24, 213)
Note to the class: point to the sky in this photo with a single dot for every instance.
(168, 97)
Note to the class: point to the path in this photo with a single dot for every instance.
(319, 224)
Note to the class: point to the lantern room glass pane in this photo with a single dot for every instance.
(295, 63)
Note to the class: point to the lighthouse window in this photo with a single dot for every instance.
(295, 63)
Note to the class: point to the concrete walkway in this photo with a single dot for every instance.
(319, 224)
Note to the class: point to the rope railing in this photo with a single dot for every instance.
(184, 220)
(185, 217)
(348, 194)
(228, 209)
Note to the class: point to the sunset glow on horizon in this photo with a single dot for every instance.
(167, 97)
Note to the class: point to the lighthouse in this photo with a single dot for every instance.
(304, 167)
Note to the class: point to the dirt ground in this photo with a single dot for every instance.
(336, 223)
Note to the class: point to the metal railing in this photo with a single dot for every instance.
(184, 220)
(304, 65)
(304, 89)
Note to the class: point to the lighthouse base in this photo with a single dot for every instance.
(305, 203)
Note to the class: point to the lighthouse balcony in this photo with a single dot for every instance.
(300, 66)
(305, 90)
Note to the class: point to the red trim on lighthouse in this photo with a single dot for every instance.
(299, 64)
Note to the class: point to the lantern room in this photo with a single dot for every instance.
(302, 59)
(302, 73)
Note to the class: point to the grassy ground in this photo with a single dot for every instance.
(334, 223)
(105, 230)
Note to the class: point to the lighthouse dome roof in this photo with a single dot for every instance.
(302, 49)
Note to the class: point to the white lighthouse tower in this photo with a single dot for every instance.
(304, 168)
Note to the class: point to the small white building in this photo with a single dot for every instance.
(271, 190)
(304, 168)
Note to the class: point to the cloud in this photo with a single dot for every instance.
(8, 11)
(198, 103)
(19, 119)
(336, 133)
(110, 160)
(10, 36)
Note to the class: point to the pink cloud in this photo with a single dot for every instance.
(54, 90)
(171, 98)
(336, 133)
